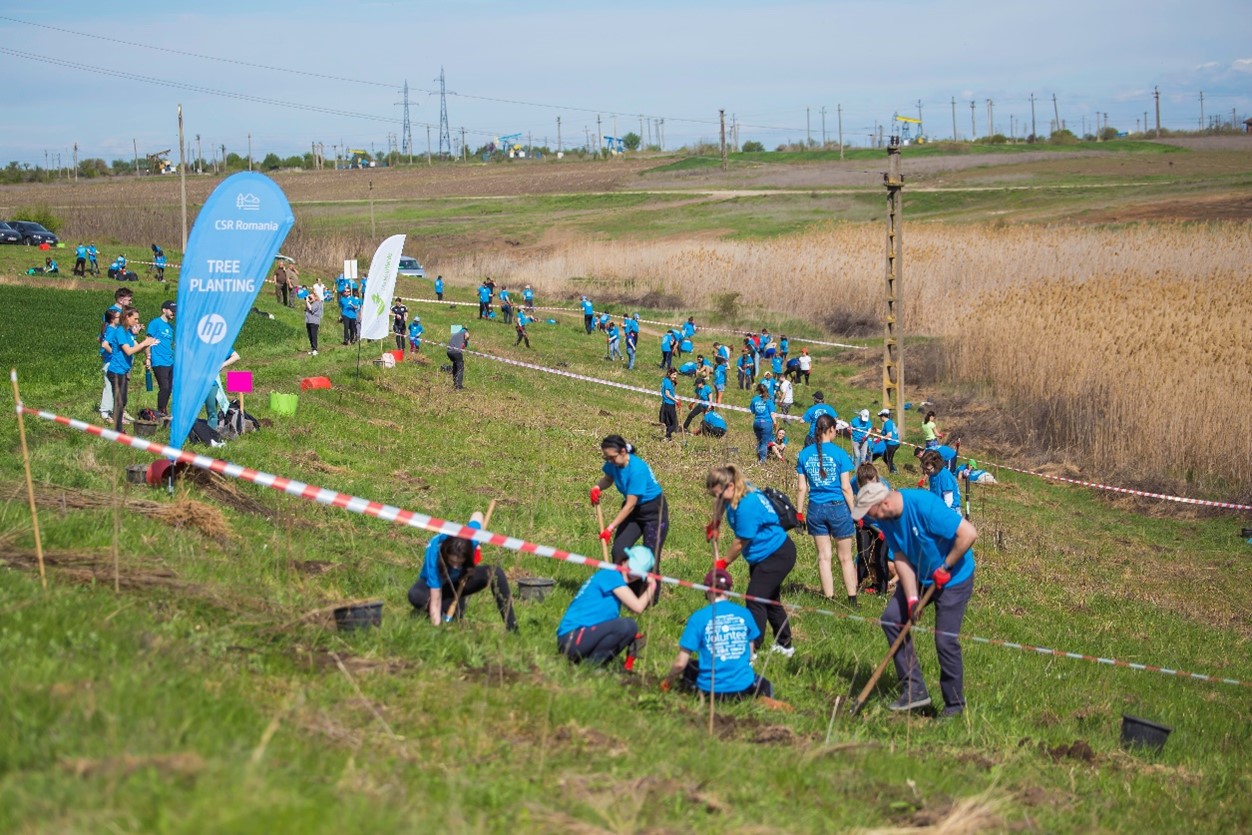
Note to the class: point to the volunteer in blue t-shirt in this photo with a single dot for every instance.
(593, 628)
(589, 314)
(667, 350)
(416, 329)
(720, 636)
(669, 402)
(861, 427)
(350, 309)
(819, 408)
(719, 379)
(704, 395)
(528, 297)
(522, 321)
(484, 300)
(644, 514)
(941, 481)
(762, 420)
(161, 355)
(766, 548)
(930, 545)
(121, 339)
(451, 572)
(632, 345)
(872, 565)
(891, 437)
(825, 479)
(439, 288)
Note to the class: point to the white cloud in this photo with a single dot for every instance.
(1242, 65)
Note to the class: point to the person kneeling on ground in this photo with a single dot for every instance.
(451, 573)
(593, 628)
(720, 635)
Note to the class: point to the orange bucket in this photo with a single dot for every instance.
(315, 383)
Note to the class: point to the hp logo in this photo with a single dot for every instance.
(212, 329)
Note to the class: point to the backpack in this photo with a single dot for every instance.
(782, 506)
(202, 433)
(235, 422)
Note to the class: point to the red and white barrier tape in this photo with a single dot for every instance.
(576, 311)
(716, 407)
(412, 519)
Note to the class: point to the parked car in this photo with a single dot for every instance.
(9, 235)
(32, 233)
(410, 267)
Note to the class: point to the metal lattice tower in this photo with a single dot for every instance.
(445, 138)
(893, 334)
(406, 138)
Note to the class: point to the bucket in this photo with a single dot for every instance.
(283, 404)
(399, 355)
(535, 588)
(314, 383)
(1141, 733)
(146, 428)
(359, 615)
(137, 473)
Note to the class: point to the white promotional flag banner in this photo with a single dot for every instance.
(380, 285)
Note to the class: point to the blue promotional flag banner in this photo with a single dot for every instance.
(232, 244)
(379, 286)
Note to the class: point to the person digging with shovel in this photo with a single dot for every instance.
(451, 572)
(930, 546)
(644, 515)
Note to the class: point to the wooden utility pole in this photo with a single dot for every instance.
(954, 137)
(599, 140)
(428, 162)
(1033, 135)
(135, 145)
(558, 135)
(893, 332)
(182, 173)
(200, 156)
(1201, 110)
(1056, 112)
(973, 129)
(76, 158)
(464, 152)
(840, 110)
(721, 115)
(1156, 94)
(249, 150)
(991, 124)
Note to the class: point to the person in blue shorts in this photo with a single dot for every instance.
(720, 636)
(930, 545)
(891, 437)
(815, 411)
(451, 573)
(415, 335)
(644, 514)
(439, 288)
(669, 402)
(719, 379)
(940, 480)
(762, 421)
(825, 479)
(589, 314)
(593, 629)
(766, 548)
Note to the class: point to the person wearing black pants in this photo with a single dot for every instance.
(644, 515)
(669, 403)
(121, 340)
(932, 547)
(456, 344)
(451, 573)
(593, 629)
(312, 320)
(765, 545)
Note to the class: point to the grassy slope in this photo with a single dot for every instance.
(494, 731)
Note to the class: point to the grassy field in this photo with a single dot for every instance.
(211, 694)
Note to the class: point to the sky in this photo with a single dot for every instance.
(289, 73)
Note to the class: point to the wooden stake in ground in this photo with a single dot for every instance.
(891, 653)
(30, 485)
(604, 546)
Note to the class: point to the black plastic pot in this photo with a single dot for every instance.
(534, 588)
(1140, 733)
(359, 616)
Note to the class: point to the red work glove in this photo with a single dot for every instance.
(478, 554)
(941, 577)
(711, 531)
(800, 517)
(912, 609)
(665, 685)
(719, 564)
(860, 523)
(595, 495)
(921, 482)
(607, 534)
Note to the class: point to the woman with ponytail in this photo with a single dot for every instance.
(766, 548)
(825, 478)
(644, 516)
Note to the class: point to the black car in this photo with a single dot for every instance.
(32, 233)
(9, 235)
